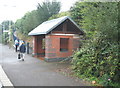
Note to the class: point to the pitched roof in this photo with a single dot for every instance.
(48, 26)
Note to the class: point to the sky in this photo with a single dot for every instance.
(15, 9)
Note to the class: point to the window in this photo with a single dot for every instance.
(43, 43)
(64, 42)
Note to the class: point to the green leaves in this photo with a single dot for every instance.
(34, 18)
(47, 9)
(59, 15)
(98, 56)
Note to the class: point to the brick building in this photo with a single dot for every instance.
(56, 39)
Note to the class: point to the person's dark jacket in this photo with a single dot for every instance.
(22, 48)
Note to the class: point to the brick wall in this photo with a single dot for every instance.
(53, 46)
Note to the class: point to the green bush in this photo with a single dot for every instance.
(98, 58)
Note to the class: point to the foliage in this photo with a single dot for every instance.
(32, 19)
(6, 36)
(7, 24)
(98, 56)
(59, 15)
(47, 9)
(28, 22)
(1, 30)
(75, 12)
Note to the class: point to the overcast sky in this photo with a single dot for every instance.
(15, 9)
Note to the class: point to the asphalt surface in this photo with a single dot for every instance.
(33, 71)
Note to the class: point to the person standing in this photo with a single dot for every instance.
(16, 44)
(22, 50)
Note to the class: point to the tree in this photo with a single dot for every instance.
(28, 22)
(59, 15)
(1, 32)
(34, 18)
(47, 9)
(75, 12)
(98, 56)
(7, 24)
(1, 29)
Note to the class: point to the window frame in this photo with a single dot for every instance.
(62, 42)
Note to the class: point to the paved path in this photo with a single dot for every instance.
(33, 72)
